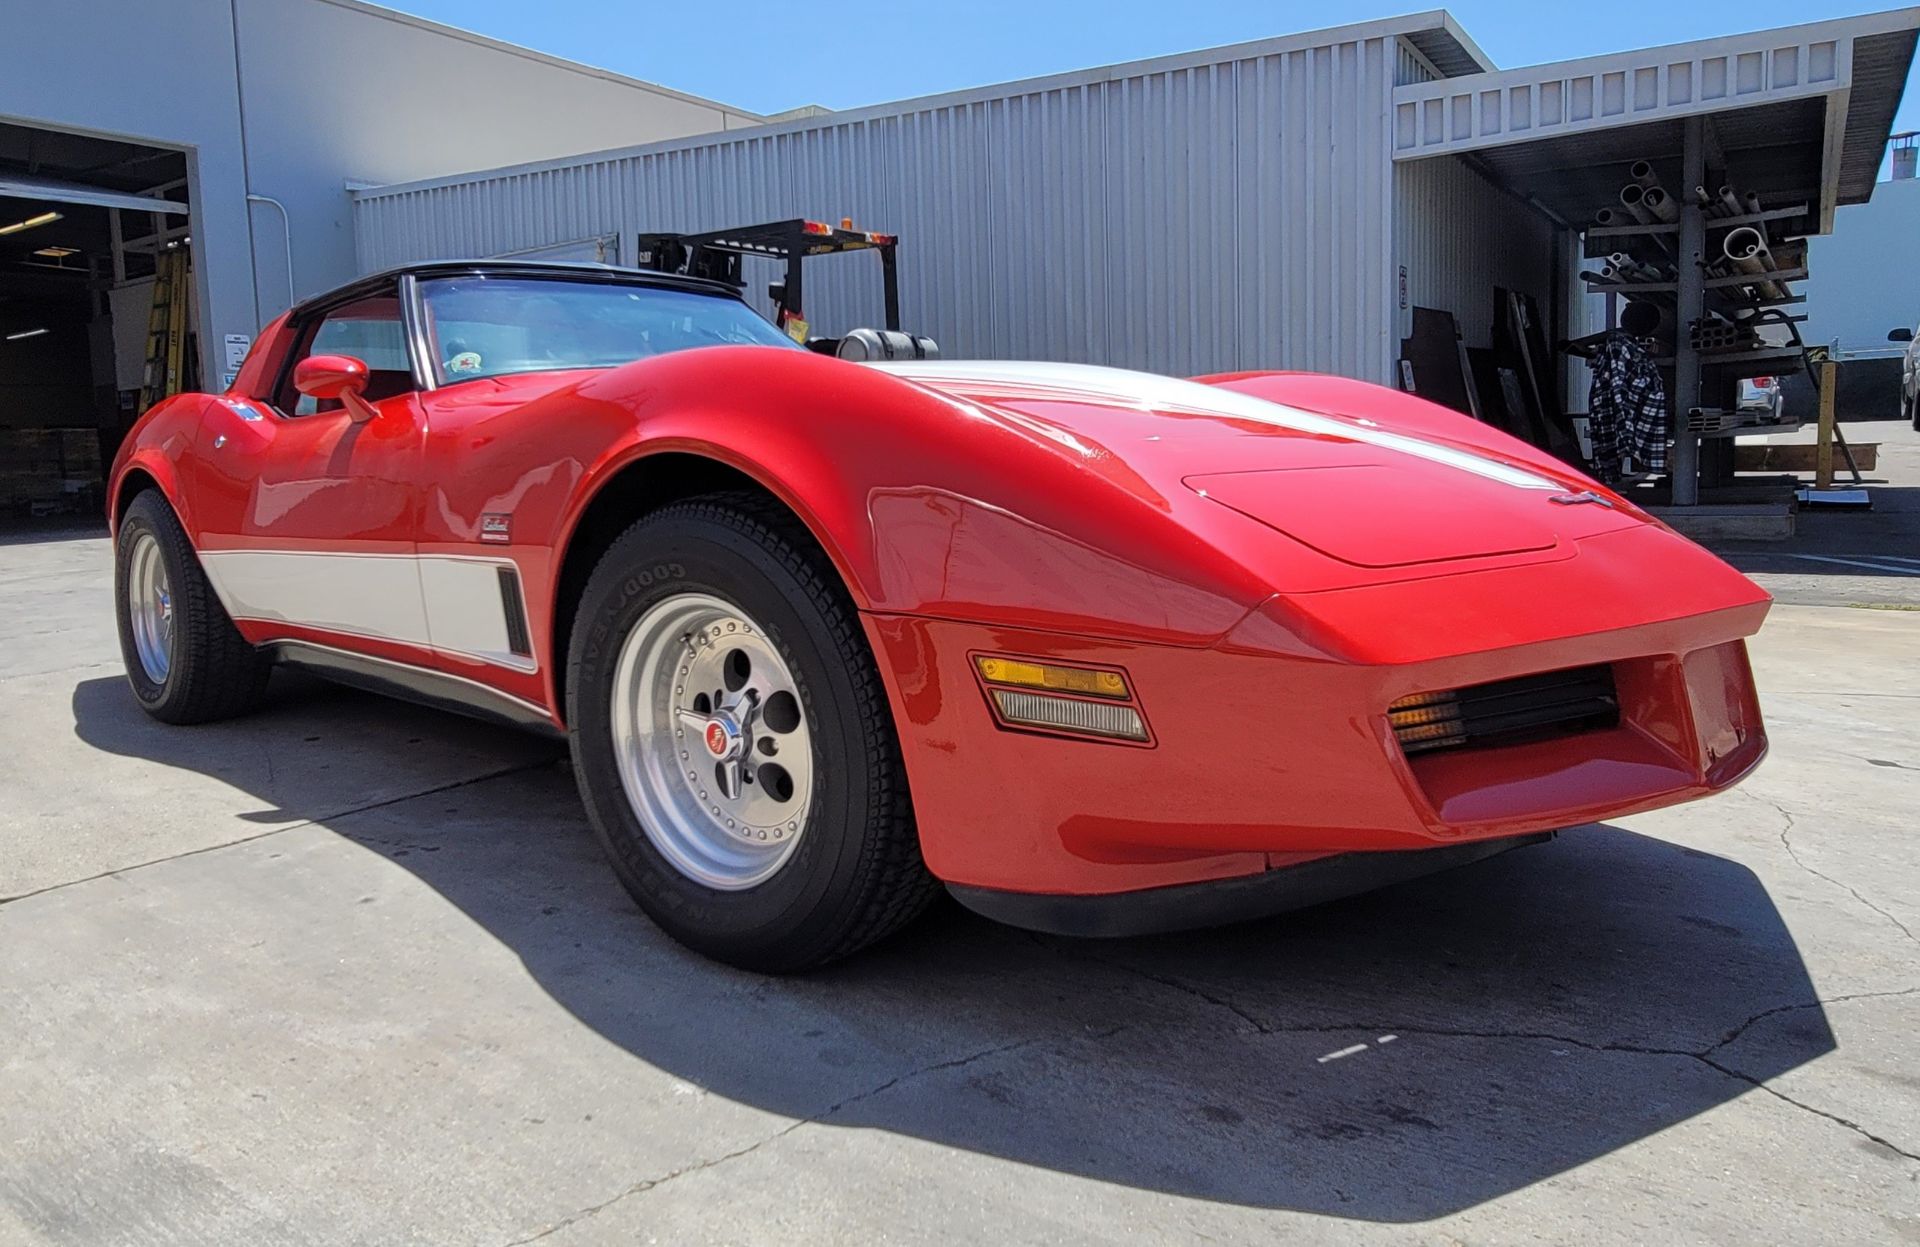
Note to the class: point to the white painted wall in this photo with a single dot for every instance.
(1458, 237)
(1864, 278)
(336, 90)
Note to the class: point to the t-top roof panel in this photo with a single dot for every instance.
(1847, 74)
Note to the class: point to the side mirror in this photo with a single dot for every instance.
(1900, 335)
(335, 376)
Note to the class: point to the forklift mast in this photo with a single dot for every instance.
(717, 256)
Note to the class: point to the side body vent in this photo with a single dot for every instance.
(516, 612)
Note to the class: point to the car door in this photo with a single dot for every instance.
(497, 476)
(308, 517)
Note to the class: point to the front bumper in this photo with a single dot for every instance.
(1272, 748)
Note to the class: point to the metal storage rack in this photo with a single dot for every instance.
(1722, 266)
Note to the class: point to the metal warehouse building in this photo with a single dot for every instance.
(1288, 203)
(1219, 209)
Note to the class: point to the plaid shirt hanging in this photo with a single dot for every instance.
(1626, 409)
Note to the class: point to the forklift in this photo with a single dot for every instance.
(717, 256)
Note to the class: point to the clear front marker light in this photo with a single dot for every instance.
(1068, 714)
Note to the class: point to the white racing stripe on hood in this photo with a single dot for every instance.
(1152, 392)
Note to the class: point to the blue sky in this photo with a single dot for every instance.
(767, 56)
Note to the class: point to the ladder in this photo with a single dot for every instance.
(166, 328)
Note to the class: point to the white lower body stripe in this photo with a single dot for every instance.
(449, 603)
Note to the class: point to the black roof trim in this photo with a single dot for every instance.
(517, 268)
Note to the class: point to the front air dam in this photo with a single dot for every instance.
(1188, 906)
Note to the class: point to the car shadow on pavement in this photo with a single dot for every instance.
(1396, 1057)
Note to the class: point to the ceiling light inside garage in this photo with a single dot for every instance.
(45, 218)
(25, 333)
(57, 253)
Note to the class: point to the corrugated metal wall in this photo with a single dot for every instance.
(1201, 218)
(1459, 237)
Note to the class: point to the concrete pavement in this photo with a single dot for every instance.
(1843, 557)
(352, 972)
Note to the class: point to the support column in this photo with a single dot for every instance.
(1689, 301)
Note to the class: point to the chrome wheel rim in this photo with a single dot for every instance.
(712, 739)
(150, 607)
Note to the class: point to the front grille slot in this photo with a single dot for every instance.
(1507, 712)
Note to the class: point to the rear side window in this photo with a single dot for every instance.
(369, 330)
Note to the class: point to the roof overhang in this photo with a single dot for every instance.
(1448, 48)
(1797, 111)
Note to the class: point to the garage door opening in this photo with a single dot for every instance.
(96, 309)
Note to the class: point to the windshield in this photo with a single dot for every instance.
(484, 326)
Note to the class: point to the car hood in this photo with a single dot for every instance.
(1371, 493)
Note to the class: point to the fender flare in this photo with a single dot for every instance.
(165, 476)
(619, 459)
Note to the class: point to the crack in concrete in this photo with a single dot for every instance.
(1799, 1006)
(118, 871)
(648, 1184)
(1704, 1055)
(1802, 1105)
(1786, 842)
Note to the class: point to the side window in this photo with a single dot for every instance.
(368, 329)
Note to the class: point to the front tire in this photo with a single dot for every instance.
(733, 743)
(186, 663)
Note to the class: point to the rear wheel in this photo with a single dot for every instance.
(186, 663)
(733, 743)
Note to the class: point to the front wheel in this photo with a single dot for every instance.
(733, 743)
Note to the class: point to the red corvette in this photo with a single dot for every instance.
(1099, 651)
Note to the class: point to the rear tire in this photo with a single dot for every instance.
(714, 644)
(186, 663)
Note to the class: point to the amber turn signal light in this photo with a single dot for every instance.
(1087, 681)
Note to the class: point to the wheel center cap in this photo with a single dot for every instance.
(720, 737)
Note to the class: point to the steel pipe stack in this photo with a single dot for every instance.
(1746, 249)
(1632, 196)
(1622, 267)
(1715, 333)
